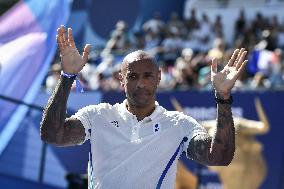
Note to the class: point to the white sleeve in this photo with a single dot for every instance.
(84, 116)
(190, 129)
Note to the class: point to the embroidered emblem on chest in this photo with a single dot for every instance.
(156, 128)
(115, 123)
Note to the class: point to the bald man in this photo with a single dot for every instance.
(136, 143)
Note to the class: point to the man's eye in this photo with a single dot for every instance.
(149, 76)
(131, 76)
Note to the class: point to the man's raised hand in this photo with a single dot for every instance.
(224, 80)
(71, 60)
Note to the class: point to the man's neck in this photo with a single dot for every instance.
(142, 112)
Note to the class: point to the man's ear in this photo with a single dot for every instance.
(121, 79)
(159, 76)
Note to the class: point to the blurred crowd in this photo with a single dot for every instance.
(184, 50)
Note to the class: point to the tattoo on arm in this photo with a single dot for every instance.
(199, 148)
(54, 129)
(220, 149)
(74, 132)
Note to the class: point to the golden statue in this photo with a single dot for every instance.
(248, 168)
(184, 178)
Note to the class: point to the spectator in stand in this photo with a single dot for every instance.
(168, 81)
(240, 25)
(274, 25)
(270, 40)
(204, 78)
(106, 66)
(155, 25)
(259, 63)
(119, 42)
(113, 83)
(175, 24)
(138, 40)
(276, 69)
(171, 46)
(184, 70)
(91, 76)
(250, 39)
(102, 82)
(218, 51)
(192, 23)
(53, 77)
(259, 24)
(203, 34)
(218, 27)
(153, 44)
(280, 37)
(273, 29)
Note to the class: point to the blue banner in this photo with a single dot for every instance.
(27, 47)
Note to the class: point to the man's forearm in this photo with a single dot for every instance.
(55, 112)
(223, 144)
(218, 150)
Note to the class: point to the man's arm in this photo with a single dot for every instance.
(55, 129)
(219, 149)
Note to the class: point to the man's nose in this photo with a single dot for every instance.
(141, 83)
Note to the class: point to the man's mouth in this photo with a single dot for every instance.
(142, 93)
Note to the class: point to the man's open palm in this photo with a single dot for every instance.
(224, 80)
(71, 60)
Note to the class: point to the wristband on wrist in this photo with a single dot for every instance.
(224, 101)
(79, 87)
(68, 75)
